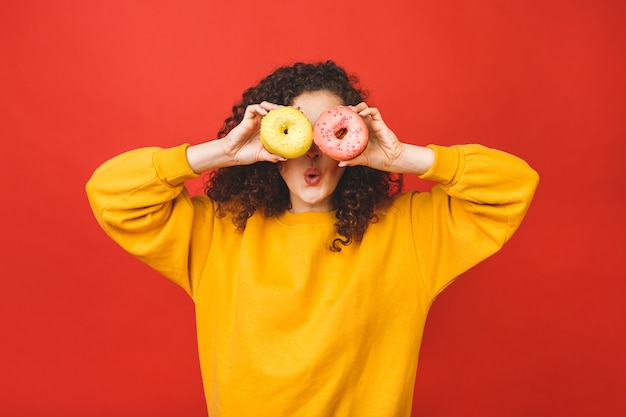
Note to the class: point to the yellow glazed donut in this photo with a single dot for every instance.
(341, 133)
(286, 132)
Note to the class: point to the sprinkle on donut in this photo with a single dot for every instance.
(340, 133)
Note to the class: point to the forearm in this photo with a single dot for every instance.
(487, 182)
(481, 199)
(137, 186)
(140, 201)
(209, 155)
(413, 159)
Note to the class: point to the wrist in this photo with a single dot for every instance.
(210, 155)
(413, 159)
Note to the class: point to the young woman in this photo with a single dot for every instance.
(312, 279)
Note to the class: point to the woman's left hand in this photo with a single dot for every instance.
(383, 148)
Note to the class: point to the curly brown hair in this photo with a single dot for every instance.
(240, 191)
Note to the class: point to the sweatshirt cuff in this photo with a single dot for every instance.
(448, 166)
(172, 166)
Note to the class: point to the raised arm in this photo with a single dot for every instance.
(385, 152)
(140, 200)
(241, 146)
(480, 200)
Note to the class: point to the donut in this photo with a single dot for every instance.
(286, 132)
(340, 133)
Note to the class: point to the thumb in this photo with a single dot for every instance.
(358, 160)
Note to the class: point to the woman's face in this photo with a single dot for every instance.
(313, 177)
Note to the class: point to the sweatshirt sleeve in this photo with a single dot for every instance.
(480, 201)
(140, 201)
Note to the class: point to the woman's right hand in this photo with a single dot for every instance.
(243, 144)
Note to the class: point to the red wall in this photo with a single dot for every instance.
(538, 330)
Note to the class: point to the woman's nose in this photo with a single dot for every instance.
(313, 152)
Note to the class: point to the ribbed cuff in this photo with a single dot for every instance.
(448, 165)
(172, 165)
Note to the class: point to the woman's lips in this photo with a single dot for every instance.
(312, 176)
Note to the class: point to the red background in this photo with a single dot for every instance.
(539, 329)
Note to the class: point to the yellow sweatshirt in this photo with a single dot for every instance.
(285, 326)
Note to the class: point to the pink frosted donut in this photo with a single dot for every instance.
(340, 133)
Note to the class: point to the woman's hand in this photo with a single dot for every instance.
(241, 146)
(383, 147)
(384, 151)
(242, 143)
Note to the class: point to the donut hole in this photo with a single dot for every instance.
(341, 133)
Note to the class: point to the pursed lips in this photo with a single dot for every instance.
(312, 176)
